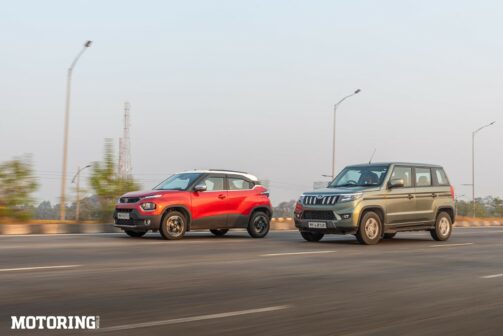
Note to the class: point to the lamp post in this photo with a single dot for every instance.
(77, 177)
(335, 119)
(473, 163)
(62, 207)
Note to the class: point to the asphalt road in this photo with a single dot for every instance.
(236, 285)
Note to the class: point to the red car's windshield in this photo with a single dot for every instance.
(178, 181)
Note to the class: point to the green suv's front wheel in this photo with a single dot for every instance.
(443, 227)
(369, 231)
(311, 236)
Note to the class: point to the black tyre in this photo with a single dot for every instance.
(369, 232)
(219, 232)
(389, 235)
(311, 236)
(135, 234)
(443, 227)
(259, 224)
(173, 226)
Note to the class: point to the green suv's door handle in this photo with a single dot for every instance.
(433, 195)
(410, 196)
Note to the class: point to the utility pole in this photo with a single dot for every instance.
(62, 206)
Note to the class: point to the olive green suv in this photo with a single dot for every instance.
(375, 201)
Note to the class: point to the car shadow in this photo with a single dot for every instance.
(190, 237)
(394, 241)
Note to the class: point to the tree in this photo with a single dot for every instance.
(45, 210)
(284, 209)
(17, 185)
(106, 183)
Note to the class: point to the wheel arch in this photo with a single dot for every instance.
(178, 207)
(378, 210)
(263, 208)
(450, 211)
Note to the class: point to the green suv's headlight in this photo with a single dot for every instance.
(350, 197)
(148, 206)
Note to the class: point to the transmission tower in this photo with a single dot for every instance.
(125, 168)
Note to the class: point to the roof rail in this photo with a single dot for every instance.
(230, 171)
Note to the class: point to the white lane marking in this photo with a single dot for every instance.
(451, 245)
(294, 253)
(492, 276)
(36, 268)
(33, 235)
(192, 318)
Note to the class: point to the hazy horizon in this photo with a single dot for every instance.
(251, 86)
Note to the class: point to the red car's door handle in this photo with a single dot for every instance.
(221, 196)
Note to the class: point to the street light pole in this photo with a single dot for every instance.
(335, 120)
(77, 176)
(473, 163)
(62, 208)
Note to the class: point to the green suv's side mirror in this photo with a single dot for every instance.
(396, 183)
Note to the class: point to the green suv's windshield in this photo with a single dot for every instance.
(360, 176)
(178, 181)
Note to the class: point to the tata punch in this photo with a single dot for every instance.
(375, 201)
(194, 200)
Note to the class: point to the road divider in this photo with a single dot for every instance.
(279, 223)
(192, 319)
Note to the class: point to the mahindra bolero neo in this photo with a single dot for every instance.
(375, 201)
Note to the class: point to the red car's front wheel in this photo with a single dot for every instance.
(173, 226)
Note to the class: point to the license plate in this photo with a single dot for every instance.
(317, 225)
(123, 215)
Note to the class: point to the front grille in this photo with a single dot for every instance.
(323, 215)
(320, 199)
(129, 199)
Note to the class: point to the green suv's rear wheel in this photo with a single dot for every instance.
(443, 227)
(311, 236)
(369, 231)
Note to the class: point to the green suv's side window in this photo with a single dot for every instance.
(423, 177)
(439, 177)
(404, 173)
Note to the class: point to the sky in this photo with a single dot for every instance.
(250, 85)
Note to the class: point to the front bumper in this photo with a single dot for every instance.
(137, 221)
(342, 226)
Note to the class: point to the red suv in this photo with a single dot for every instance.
(217, 200)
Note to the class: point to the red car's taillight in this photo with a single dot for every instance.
(452, 192)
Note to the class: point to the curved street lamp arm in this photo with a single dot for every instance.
(481, 128)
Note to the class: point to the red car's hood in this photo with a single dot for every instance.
(146, 193)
